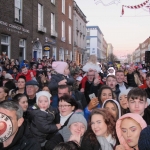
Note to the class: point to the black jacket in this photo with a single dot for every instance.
(56, 78)
(146, 116)
(43, 123)
(22, 141)
(148, 92)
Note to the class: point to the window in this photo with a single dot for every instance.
(52, 22)
(69, 34)
(63, 29)
(53, 1)
(70, 55)
(22, 49)
(40, 15)
(77, 23)
(70, 12)
(5, 45)
(88, 33)
(61, 54)
(88, 42)
(63, 6)
(54, 53)
(18, 11)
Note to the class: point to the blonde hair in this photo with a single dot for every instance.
(93, 59)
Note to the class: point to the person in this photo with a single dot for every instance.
(113, 107)
(15, 137)
(100, 133)
(21, 85)
(120, 80)
(3, 93)
(144, 139)
(137, 103)
(128, 128)
(45, 119)
(59, 77)
(67, 105)
(71, 145)
(104, 93)
(74, 131)
(111, 71)
(123, 101)
(111, 81)
(32, 88)
(148, 85)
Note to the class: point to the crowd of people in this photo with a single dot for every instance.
(58, 105)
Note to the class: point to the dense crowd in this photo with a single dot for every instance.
(59, 105)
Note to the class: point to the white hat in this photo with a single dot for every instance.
(8, 76)
(79, 78)
(43, 93)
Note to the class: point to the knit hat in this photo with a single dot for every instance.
(8, 76)
(77, 118)
(144, 140)
(124, 92)
(135, 117)
(59, 66)
(43, 93)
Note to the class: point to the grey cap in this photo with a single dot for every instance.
(77, 118)
(32, 82)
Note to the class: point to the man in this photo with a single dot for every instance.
(111, 81)
(120, 80)
(32, 88)
(78, 96)
(137, 103)
(148, 85)
(13, 135)
(92, 85)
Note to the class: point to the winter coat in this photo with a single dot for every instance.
(148, 92)
(146, 115)
(43, 123)
(22, 141)
(56, 78)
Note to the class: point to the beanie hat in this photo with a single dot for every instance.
(135, 117)
(77, 118)
(124, 92)
(144, 139)
(59, 66)
(43, 93)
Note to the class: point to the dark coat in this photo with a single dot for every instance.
(56, 78)
(22, 141)
(146, 116)
(86, 144)
(148, 92)
(43, 123)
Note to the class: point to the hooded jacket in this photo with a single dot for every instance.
(135, 117)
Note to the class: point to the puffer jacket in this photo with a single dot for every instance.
(43, 123)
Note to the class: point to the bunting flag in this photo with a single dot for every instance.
(134, 7)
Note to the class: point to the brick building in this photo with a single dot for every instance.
(28, 28)
(65, 29)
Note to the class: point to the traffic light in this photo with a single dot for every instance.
(147, 56)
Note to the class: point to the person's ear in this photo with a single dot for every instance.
(20, 121)
(146, 104)
(37, 89)
(73, 107)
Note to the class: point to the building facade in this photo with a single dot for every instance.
(109, 52)
(94, 41)
(104, 49)
(79, 35)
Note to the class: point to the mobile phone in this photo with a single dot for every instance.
(92, 96)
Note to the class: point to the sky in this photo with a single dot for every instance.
(125, 32)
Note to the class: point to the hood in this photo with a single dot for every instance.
(118, 105)
(135, 117)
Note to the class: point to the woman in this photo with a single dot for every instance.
(21, 85)
(113, 107)
(128, 129)
(100, 134)
(67, 105)
(104, 93)
(74, 131)
(3, 93)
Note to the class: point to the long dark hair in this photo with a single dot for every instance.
(109, 120)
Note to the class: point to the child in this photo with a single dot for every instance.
(45, 121)
(111, 71)
(60, 76)
(90, 66)
(137, 103)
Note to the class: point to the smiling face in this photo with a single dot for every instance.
(21, 83)
(98, 125)
(77, 128)
(106, 94)
(131, 132)
(24, 103)
(120, 77)
(123, 101)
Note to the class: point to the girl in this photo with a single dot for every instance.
(21, 85)
(113, 107)
(100, 134)
(128, 129)
(104, 93)
(3, 93)
(60, 76)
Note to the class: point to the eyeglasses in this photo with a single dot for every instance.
(63, 106)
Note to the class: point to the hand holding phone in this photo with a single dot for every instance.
(92, 96)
